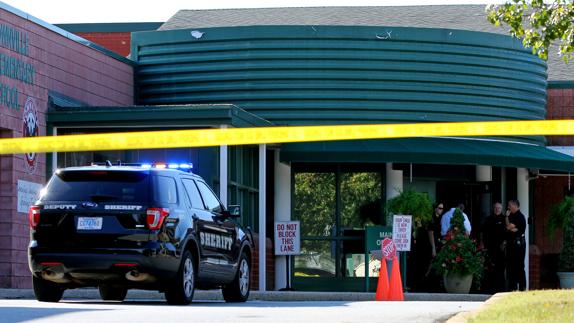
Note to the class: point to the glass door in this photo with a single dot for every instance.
(334, 206)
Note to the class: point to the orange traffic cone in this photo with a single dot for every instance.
(383, 283)
(396, 285)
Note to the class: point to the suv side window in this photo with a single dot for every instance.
(165, 190)
(210, 200)
(193, 194)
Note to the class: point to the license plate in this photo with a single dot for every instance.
(93, 223)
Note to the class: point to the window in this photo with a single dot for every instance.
(193, 194)
(98, 186)
(165, 190)
(210, 200)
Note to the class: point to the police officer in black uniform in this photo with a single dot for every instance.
(494, 240)
(516, 246)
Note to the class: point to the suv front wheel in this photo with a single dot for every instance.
(238, 289)
(180, 291)
(47, 291)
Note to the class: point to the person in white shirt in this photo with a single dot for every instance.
(445, 222)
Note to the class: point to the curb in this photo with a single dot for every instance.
(463, 317)
(286, 296)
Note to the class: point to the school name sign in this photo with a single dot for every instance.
(13, 66)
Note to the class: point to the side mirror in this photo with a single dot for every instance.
(234, 211)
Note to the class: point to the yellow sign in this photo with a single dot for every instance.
(269, 135)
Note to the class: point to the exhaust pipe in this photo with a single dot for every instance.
(54, 276)
(136, 276)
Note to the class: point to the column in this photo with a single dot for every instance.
(522, 194)
(282, 212)
(262, 207)
(54, 154)
(394, 181)
(483, 173)
(223, 177)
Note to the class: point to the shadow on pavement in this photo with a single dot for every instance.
(19, 314)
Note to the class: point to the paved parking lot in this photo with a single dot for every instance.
(75, 311)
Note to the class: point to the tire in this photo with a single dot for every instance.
(111, 293)
(238, 289)
(180, 290)
(47, 291)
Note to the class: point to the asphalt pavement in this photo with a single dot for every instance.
(96, 311)
(215, 295)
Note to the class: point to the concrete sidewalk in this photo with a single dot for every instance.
(215, 295)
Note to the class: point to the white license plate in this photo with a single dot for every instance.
(93, 223)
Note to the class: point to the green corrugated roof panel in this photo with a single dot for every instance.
(449, 151)
(308, 75)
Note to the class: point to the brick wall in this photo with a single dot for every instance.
(269, 265)
(118, 42)
(560, 106)
(547, 192)
(64, 66)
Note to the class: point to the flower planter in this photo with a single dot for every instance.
(457, 284)
(566, 279)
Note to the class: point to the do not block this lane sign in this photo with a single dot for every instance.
(287, 238)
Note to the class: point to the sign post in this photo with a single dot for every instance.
(287, 243)
(374, 236)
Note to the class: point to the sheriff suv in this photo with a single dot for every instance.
(120, 227)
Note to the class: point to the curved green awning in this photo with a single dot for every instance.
(453, 151)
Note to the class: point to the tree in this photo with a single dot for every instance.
(538, 24)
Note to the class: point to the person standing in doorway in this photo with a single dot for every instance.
(516, 246)
(494, 241)
(445, 221)
(434, 238)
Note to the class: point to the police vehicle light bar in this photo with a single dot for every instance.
(187, 167)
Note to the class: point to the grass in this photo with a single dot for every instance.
(532, 306)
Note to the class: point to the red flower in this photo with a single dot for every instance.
(458, 259)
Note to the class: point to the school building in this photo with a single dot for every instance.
(295, 66)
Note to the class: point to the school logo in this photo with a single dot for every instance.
(30, 129)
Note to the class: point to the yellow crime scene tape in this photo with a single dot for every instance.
(269, 135)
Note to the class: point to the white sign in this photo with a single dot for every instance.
(402, 225)
(287, 238)
(28, 193)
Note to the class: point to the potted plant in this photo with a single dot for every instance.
(459, 260)
(409, 202)
(562, 217)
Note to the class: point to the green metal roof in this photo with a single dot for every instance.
(154, 116)
(313, 75)
(453, 151)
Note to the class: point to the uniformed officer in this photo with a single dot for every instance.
(494, 241)
(516, 246)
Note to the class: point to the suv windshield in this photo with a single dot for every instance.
(98, 186)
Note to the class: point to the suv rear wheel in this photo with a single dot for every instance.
(112, 293)
(238, 289)
(47, 291)
(180, 291)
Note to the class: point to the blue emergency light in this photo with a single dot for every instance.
(186, 167)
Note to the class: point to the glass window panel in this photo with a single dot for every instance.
(209, 199)
(354, 265)
(166, 191)
(317, 259)
(360, 199)
(193, 194)
(314, 203)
